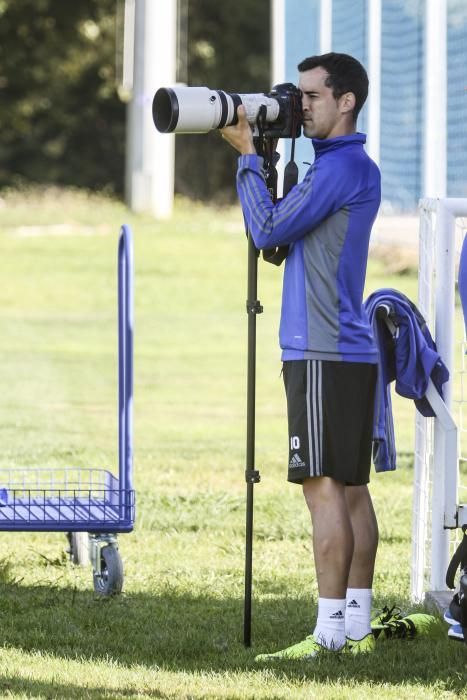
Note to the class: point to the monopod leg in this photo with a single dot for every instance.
(253, 308)
(248, 564)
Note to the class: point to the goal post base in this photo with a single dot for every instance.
(438, 601)
(440, 451)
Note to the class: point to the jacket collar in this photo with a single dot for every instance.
(322, 146)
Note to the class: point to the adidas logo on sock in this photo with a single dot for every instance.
(337, 615)
(353, 604)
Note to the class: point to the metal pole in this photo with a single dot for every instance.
(278, 46)
(444, 332)
(125, 368)
(150, 155)
(374, 75)
(325, 26)
(435, 99)
(252, 476)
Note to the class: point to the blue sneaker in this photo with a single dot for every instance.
(452, 615)
(447, 617)
(456, 632)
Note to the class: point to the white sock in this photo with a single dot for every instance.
(330, 625)
(358, 613)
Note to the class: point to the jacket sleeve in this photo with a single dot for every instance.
(319, 195)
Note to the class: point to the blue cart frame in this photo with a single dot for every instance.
(90, 500)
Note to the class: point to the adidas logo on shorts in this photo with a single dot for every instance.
(296, 462)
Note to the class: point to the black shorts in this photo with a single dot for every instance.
(330, 414)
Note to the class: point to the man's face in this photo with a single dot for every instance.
(322, 113)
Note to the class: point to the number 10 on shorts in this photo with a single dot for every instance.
(294, 442)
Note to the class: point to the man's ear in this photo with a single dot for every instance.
(347, 102)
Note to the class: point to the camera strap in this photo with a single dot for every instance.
(291, 171)
(265, 148)
(276, 256)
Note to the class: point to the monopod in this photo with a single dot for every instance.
(265, 148)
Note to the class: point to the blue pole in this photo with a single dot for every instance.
(125, 367)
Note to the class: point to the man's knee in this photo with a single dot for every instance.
(324, 492)
(357, 495)
(359, 502)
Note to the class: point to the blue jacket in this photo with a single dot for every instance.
(326, 220)
(409, 356)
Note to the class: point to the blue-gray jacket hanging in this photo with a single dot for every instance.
(409, 356)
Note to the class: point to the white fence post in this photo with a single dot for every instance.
(150, 155)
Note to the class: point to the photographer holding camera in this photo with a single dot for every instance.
(328, 351)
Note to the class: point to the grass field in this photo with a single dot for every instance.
(176, 631)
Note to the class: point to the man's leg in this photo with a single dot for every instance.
(329, 420)
(365, 529)
(333, 546)
(359, 591)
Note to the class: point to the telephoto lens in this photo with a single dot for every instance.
(197, 110)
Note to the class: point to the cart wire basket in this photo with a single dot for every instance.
(79, 500)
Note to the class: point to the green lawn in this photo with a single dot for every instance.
(176, 631)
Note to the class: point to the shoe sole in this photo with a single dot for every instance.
(314, 653)
(456, 633)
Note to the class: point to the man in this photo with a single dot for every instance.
(328, 351)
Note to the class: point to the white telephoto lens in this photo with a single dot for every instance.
(191, 110)
(197, 110)
(253, 103)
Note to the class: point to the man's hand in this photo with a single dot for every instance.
(240, 136)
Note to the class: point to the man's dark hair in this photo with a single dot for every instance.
(346, 74)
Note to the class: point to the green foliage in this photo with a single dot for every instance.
(61, 120)
(228, 49)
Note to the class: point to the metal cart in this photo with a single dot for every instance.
(93, 501)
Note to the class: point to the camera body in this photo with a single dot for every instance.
(194, 110)
(289, 121)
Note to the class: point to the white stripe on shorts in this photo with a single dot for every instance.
(314, 414)
(320, 413)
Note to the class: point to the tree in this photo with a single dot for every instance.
(228, 49)
(61, 120)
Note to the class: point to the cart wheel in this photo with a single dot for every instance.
(79, 548)
(110, 580)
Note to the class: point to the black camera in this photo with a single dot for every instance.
(196, 110)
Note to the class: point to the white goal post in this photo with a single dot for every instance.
(440, 482)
